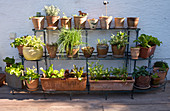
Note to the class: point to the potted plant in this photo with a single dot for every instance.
(102, 48)
(142, 77)
(119, 22)
(66, 22)
(93, 23)
(52, 49)
(33, 49)
(87, 51)
(147, 45)
(109, 79)
(52, 16)
(80, 20)
(119, 43)
(38, 21)
(69, 41)
(9, 61)
(132, 22)
(135, 52)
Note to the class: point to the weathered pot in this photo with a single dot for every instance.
(119, 22)
(66, 23)
(105, 22)
(31, 53)
(32, 85)
(52, 50)
(118, 53)
(80, 22)
(53, 20)
(38, 23)
(93, 23)
(20, 49)
(102, 51)
(87, 51)
(143, 82)
(146, 52)
(73, 53)
(132, 22)
(111, 85)
(134, 53)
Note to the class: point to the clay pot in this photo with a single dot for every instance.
(102, 51)
(73, 53)
(132, 22)
(134, 52)
(52, 50)
(146, 52)
(38, 23)
(66, 23)
(93, 23)
(143, 81)
(118, 53)
(87, 51)
(20, 49)
(80, 22)
(52, 21)
(30, 53)
(32, 85)
(119, 22)
(105, 22)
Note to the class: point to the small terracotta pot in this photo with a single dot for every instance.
(118, 53)
(105, 22)
(119, 22)
(52, 20)
(93, 23)
(73, 53)
(38, 23)
(87, 51)
(20, 49)
(52, 50)
(32, 85)
(102, 51)
(132, 22)
(135, 52)
(66, 23)
(80, 22)
(31, 53)
(143, 81)
(146, 52)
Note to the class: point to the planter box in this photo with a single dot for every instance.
(111, 85)
(146, 52)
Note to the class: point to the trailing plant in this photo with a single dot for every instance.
(51, 73)
(148, 40)
(140, 71)
(102, 42)
(51, 10)
(9, 60)
(120, 40)
(19, 41)
(77, 72)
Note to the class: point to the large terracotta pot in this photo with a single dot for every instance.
(146, 52)
(118, 53)
(119, 22)
(52, 21)
(80, 22)
(102, 51)
(20, 49)
(134, 53)
(105, 22)
(31, 53)
(32, 85)
(66, 23)
(73, 53)
(87, 51)
(143, 82)
(93, 23)
(38, 23)
(132, 22)
(52, 50)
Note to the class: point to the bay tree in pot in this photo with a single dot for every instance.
(52, 49)
(102, 48)
(9, 61)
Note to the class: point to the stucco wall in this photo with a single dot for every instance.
(154, 20)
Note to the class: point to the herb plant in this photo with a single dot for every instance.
(140, 71)
(51, 10)
(19, 41)
(102, 42)
(9, 60)
(78, 73)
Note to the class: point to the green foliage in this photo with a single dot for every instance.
(148, 40)
(161, 64)
(76, 72)
(19, 41)
(120, 73)
(51, 10)
(38, 14)
(102, 42)
(51, 73)
(140, 71)
(9, 60)
(120, 40)
(16, 69)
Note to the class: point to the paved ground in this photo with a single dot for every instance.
(145, 101)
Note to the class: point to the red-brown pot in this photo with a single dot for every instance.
(32, 85)
(87, 51)
(66, 23)
(52, 21)
(118, 53)
(80, 22)
(105, 22)
(102, 51)
(52, 50)
(146, 52)
(134, 53)
(38, 23)
(20, 49)
(132, 22)
(143, 81)
(119, 22)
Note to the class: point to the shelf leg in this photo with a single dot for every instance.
(70, 96)
(106, 94)
(44, 95)
(13, 92)
(132, 92)
(37, 67)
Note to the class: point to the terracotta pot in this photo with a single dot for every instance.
(52, 50)
(105, 22)
(134, 53)
(31, 53)
(32, 85)
(146, 52)
(108, 85)
(119, 22)
(93, 23)
(20, 49)
(80, 22)
(53, 20)
(73, 53)
(87, 51)
(132, 22)
(38, 23)
(118, 53)
(143, 81)
(102, 51)
(66, 23)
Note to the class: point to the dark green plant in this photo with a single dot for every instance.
(38, 14)
(120, 40)
(140, 71)
(148, 40)
(9, 60)
(51, 10)
(19, 41)
(102, 42)
(161, 64)
(77, 72)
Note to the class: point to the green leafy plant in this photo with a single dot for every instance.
(148, 40)
(19, 41)
(102, 42)
(78, 73)
(120, 73)
(9, 60)
(162, 65)
(51, 10)
(51, 73)
(120, 40)
(140, 71)
(30, 74)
